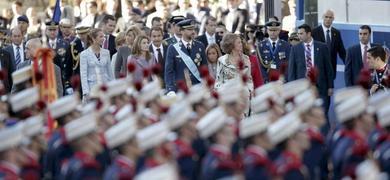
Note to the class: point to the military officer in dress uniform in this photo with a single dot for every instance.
(376, 58)
(62, 57)
(187, 54)
(272, 51)
(253, 130)
(176, 32)
(84, 139)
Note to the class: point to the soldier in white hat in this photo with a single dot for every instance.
(351, 147)
(383, 147)
(11, 156)
(34, 147)
(23, 103)
(253, 131)
(84, 139)
(287, 135)
(121, 138)
(218, 162)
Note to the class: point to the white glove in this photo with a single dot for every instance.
(171, 94)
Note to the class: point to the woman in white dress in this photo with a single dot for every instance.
(95, 67)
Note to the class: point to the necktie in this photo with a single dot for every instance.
(159, 55)
(365, 56)
(18, 59)
(53, 45)
(273, 46)
(328, 41)
(189, 48)
(308, 57)
(105, 43)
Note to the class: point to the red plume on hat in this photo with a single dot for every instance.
(99, 104)
(133, 102)
(182, 86)
(241, 65)
(204, 71)
(215, 94)
(146, 72)
(138, 85)
(41, 105)
(103, 88)
(273, 75)
(3, 74)
(244, 78)
(312, 75)
(156, 69)
(210, 81)
(75, 81)
(131, 67)
(364, 79)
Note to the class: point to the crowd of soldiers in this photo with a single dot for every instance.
(179, 125)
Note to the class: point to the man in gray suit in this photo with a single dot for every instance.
(31, 48)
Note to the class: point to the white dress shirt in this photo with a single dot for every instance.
(53, 42)
(325, 29)
(21, 50)
(210, 39)
(155, 52)
(312, 51)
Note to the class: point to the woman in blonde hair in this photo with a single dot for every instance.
(125, 51)
(95, 67)
(213, 53)
(140, 56)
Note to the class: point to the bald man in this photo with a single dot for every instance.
(32, 46)
(329, 35)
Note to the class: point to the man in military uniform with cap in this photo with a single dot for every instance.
(62, 58)
(66, 28)
(187, 54)
(175, 28)
(272, 51)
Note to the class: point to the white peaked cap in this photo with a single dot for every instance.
(121, 133)
(178, 114)
(383, 115)
(231, 91)
(24, 99)
(80, 127)
(197, 92)
(366, 170)
(254, 124)
(150, 90)
(124, 112)
(153, 135)
(162, 172)
(294, 88)
(11, 136)
(260, 103)
(33, 125)
(304, 101)
(22, 75)
(275, 86)
(63, 106)
(346, 93)
(351, 108)
(285, 127)
(116, 87)
(378, 100)
(212, 122)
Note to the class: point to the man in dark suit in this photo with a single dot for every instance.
(356, 58)
(186, 55)
(158, 47)
(331, 37)
(62, 58)
(6, 67)
(108, 26)
(175, 29)
(307, 54)
(16, 49)
(210, 36)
